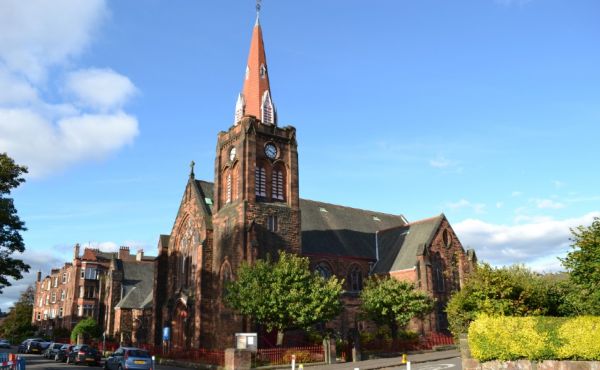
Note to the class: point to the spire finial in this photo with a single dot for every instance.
(258, 10)
(192, 164)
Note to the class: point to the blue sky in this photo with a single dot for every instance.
(486, 110)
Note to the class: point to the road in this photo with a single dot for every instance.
(40, 363)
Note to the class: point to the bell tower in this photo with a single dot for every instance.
(256, 209)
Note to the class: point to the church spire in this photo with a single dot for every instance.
(255, 99)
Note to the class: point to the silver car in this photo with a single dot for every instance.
(129, 358)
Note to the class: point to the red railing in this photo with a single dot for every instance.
(281, 356)
(200, 355)
(402, 345)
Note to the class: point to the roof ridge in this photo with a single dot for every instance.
(426, 219)
(348, 207)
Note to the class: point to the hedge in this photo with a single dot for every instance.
(535, 338)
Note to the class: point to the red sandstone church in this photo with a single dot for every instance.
(253, 208)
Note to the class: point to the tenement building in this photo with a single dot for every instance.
(253, 208)
(115, 289)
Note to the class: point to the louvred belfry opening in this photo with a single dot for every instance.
(255, 99)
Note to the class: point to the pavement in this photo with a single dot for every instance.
(385, 363)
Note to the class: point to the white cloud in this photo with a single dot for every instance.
(558, 184)
(440, 162)
(536, 244)
(516, 194)
(38, 34)
(499, 204)
(463, 203)
(548, 204)
(46, 146)
(100, 88)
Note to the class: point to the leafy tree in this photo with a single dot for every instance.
(510, 291)
(10, 224)
(87, 328)
(391, 302)
(284, 294)
(583, 264)
(17, 324)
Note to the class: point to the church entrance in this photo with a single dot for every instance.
(179, 338)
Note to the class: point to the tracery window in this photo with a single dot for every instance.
(322, 268)
(228, 195)
(277, 185)
(260, 182)
(355, 279)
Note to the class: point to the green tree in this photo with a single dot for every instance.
(10, 224)
(284, 294)
(17, 324)
(583, 265)
(391, 302)
(510, 291)
(87, 328)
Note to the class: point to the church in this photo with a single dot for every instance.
(253, 208)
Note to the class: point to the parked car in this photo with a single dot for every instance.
(63, 352)
(4, 343)
(31, 345)
(128, 358)
(84, 354)
(52, 350)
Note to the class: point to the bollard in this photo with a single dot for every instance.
(153, 362)
(293, 362)
(404, 358)
(300, 367)
(408, 365)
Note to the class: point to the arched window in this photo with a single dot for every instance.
(322, 268)
(355, 279)
(226, 276)
(278, 185)
(260, 182)
(228, 191)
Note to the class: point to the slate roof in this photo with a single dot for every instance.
(342, 231)
(138, 278)
(400, 246)
(331, 229)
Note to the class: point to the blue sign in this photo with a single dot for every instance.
(166, 333)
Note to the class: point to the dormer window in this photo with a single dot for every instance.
(263, 71)
(267, 109)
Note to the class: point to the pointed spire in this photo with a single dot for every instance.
(256, 94)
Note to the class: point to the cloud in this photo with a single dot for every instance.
(89, 124)
(548, 204)
(516, 194)
(536, 243)
(440, 162)
(463, 203)
(37, 34)
(100, 88)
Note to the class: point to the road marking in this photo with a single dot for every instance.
(436, 367)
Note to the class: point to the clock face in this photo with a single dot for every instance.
(271, 151)
(232, 154)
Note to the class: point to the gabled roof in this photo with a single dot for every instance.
(138, 279)
(400, 246)
(342, 231)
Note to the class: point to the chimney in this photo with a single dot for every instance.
(39, 276)
(123, 253)
(76, 251)
(140, 255)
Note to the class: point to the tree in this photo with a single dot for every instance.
(392, 302)
(583, 264)
(87, 328)
(510, 291)
(284, 294)
(17, 324)
(10, 224)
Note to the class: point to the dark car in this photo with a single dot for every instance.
(63, 352)
(84, 354)
(129, 358)
(4, 343)
(52, 350)
(31, 345)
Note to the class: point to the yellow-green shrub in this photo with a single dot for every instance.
(535, 338)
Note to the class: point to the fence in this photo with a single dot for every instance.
(281, 356)
(200, 355)
(404, 345)
(9, 361)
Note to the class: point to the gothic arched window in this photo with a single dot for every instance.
(323, 269)
(226, 276)
(278, 185)
(228, 191)
(260, 182)
(355, 279)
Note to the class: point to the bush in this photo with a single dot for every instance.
(535, 338)
(302, 357)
